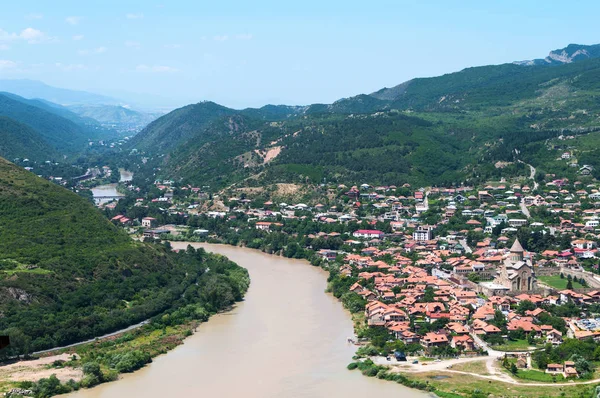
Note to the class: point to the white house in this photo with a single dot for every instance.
(368, 233)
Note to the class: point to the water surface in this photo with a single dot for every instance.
(286, 340)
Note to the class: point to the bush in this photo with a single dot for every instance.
(352, 366)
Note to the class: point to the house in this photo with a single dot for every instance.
(554, 368)
(464, 342)
(434, 340)
(484, 196)
(368, 234)
(554, 337)
(149, 222)
(569, 369)
(155, 233)
(263, 225)
(586, 170)
(422, 234)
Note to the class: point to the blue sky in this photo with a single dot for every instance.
(249, 53)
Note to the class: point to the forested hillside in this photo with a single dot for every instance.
(62, 134)
(67, 274)
(21, 141)
(442, 130)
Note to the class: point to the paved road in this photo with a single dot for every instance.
(127, 329)
(463, 243)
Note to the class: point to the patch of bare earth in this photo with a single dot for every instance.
(37, 369)
(287, 189)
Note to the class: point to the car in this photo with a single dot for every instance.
(415, 362)
(438, 360)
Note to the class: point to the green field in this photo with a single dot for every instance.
(536, 375)
(516, 345)
(558, 283)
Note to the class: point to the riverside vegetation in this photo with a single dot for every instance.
(67, 274)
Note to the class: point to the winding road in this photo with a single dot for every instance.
(532, 172)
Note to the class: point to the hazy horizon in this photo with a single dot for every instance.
(249, 55)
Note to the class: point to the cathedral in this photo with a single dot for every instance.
(515, 273)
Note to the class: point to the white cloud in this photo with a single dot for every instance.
(97, 50)
(73, 20)
(156, 68)
(133, 44)
(78, 37)
(6, 64)
(221, 38)
(33, 36)
(4, 47)
(244, 36)
(34, 16)
(173, 46)
(70, 67)
(30, 35)
(135, 16)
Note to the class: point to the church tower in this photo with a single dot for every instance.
(516, 252)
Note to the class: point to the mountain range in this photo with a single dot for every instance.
(440, 130)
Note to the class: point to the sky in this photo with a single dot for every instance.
(251, 53)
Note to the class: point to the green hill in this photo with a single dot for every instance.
(67, 274)
(439, 130)
(21, 141)
(64, 135)
(181, 125)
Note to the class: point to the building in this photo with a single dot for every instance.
(517, 274)
(368, 234)
(422, 234)
(148, 222)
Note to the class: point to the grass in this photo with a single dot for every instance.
(536, 375)
(464, 385)
(516, 345)
(478, 367)
(557, 282)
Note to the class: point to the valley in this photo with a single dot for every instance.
(451, 222)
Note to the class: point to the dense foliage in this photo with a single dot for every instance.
(67, 274)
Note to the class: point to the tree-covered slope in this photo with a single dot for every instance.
(21, 141)
(447, 129)
(67, 274)
(63, 134)
(177, 127)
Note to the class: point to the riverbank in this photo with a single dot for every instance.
(457, 385)
(287, 339)
(85, 365)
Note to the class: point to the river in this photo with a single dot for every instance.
(107, 193)
(286, 339)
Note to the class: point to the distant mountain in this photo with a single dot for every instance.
(177, 127)
(51, 107)
(567, 55)
(21, 141)
(36, 89)
(63, 134)
(114, 115)
(437, 130)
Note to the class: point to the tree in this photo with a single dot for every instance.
(429, 295)
(513, 369)
(525, 305)
(569, 284)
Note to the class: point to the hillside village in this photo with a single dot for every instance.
(506, 268)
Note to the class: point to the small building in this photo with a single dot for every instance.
(149, 222)
(368, 234)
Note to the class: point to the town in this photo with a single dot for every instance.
(506, 272)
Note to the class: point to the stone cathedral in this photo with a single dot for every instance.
(515, 273)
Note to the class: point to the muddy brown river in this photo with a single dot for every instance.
(287, 339)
